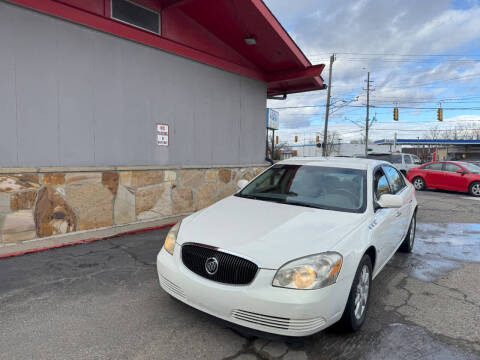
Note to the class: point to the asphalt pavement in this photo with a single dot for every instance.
(102, 301)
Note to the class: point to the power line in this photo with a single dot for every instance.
(394, 54)
(433, 82)
(380, 107)
(382, 129)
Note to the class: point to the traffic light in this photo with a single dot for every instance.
(276, 140)
(395, 114)
(296, 138)
(440, 114)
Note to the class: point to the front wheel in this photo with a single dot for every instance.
(407, 244)
(357, 305)
(418, 183)
(474, 188)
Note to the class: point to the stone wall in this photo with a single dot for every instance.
(41, 204)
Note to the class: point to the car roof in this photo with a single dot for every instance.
(444, 161)
(341, 162)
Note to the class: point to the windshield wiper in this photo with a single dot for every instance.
(299, 203)
(264, 198)
(246, 196)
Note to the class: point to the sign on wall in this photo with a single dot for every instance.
(273, 119)
(162, 134)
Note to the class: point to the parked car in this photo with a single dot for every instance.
(295, 250)
(401, 161)
(447, 175)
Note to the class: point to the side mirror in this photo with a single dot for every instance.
(390, 201)
(460, 172)
(241, 184)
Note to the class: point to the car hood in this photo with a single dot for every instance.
(269, 233)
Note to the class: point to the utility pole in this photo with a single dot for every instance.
(325, 130)
(367, 118)
(273, 144)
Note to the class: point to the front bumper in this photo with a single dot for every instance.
(258, 305)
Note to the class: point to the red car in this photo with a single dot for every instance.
(448, 175)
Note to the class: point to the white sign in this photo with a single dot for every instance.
(162, 134)
(273, 119)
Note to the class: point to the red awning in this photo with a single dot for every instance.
(286, 68)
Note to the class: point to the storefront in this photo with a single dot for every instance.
(120, 115)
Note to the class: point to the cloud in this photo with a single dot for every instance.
(352, 27)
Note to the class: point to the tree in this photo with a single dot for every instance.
(333, 138)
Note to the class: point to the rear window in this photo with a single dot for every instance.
(473, 168)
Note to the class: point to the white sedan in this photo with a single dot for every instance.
(296, 249)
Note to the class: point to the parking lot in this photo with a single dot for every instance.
(102, 301)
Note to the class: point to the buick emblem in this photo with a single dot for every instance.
(211, 266)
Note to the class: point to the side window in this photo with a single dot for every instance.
(408, 159)
(451, 167)
(433, 166)
(396, 159)
(394, 178)
(380, 184)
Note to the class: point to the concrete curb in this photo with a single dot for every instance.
(86, 236)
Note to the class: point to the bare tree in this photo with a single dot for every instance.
(333, 138)
(434, 133)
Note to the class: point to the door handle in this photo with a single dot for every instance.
(398, 214)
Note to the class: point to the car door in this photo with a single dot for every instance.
(381, 227)
(434, 174)
(408, 162)
(397, 161)
(401, 219)
(454, 177)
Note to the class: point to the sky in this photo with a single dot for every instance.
(420, 54)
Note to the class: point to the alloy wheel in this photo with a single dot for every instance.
(476, 189)
(418, 183)
(411, 238)
(361, 297)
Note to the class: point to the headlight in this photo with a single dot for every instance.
(171, 238)
(311, 272)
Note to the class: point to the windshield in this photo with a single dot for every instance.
(313, 186)
(474, 169)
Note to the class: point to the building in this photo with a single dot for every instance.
(442, 149)
(118, 115)
(339, 149)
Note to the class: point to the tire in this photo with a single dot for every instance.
(474, 188)
(357, 305)
(409, 241)
(418, 183)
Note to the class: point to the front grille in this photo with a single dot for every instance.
(231, 269)
(276, 322)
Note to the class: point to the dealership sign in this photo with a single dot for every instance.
(273, 118)
(162, 134)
